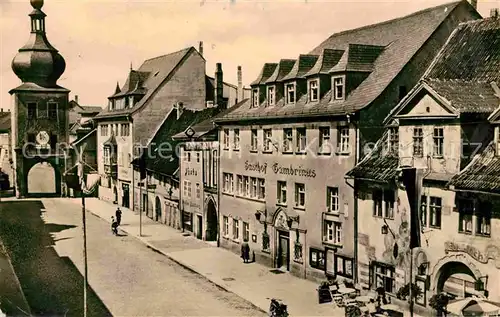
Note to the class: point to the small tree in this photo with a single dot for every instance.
(439, 302)
(404, 292)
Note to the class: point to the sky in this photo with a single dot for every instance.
(101, 39)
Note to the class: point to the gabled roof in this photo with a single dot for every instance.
(284, 67)
(265, 73)
(158, 70)
(326, 61)
(401, 38)
(302, 65)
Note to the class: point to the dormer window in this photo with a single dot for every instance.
(338, 88)
(255, 98)
(290, 93)
(270, 96)
(313, 90)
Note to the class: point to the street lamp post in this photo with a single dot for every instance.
(84, 228)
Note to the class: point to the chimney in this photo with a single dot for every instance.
(494, 13)
(240, 84)
(473, 3)
(179, 107)
(76, 98)
(219, 86)
(200, 48)
(1, 109)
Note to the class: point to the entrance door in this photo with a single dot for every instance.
(283, 250)
(211, 222)
(158, 209)
(126, 196)
(200, 227)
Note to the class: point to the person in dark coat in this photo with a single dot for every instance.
(118, 215)
(245, 251)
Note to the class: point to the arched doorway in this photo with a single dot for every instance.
(456, 279)
(212, 222)
(158, 209)
(42, 179)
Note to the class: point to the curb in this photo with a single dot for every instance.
(185, 266)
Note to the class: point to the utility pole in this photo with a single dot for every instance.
(84, 227)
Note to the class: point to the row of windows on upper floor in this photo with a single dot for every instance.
(42, 110)
(290, 92)
(122, 129)
(473, 216)
(289, 144)
(418, 141)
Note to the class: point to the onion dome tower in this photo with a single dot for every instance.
(38, 62)
(39, 112)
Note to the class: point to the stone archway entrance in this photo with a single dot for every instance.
(42, 180)
(456, 279)
(158, 209)
(211, 234)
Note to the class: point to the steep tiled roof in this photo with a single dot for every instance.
(265, 73)
(135, 81)
(378, 165)
(158, 69)
(164, 159)
(481, 174)
(302, 65)
(401, 38)
(284, 67)
(358, 58)
(326, 61)
(4, 121)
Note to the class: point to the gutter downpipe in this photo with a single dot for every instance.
(355, 206)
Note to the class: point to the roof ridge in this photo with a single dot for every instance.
(455, 3)
(165, 55)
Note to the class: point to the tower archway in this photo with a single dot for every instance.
(42, 179)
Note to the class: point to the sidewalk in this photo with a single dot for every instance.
(253, 282)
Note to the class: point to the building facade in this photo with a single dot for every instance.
(285, 152)
(438, 128)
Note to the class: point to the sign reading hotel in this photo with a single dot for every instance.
(290, 170)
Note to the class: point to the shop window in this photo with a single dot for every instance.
(465, 213)
(343, 266)
(383, 276)
(317, 259)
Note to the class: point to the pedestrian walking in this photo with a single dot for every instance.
(118, 215)
(245, 251)
(114, 226)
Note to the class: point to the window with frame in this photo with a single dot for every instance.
(42, 110)
(185, 188)
(246, 231)
(324, 140)
(301, 140)
(189, 156)
(389, 200)
(239, 185)
(483, 219)
(104, 130)
(255, 98)
(198, 191)
(262, 188)
(317, 259)
(268, 139)
(465, 214)
(287, 140)
(107, 156)
(313, 90)
(343, 266)
(438, 138)
(435, 210)
(189, 189)
(197, 157)
(418, 142)
(236, 229)
(225, 226)
(300, 195)
(236, 139)
(384, 276)
(246, 186)
(394, 140)
(332, 199)
(290, 93)
(254, 141)
(225, 139)
(253, 189)
(52, 109)
(228, 183)
(338, 88)
(343, 139)
(332, 232)
(378, 198)
(270, 96)
(423, 210)
(31, 110)
(281, 192)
